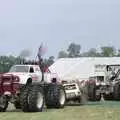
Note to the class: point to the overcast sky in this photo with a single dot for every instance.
(24, 24)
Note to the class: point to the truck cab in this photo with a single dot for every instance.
(26, 73)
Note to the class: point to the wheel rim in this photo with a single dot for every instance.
(40, 100)
(62, 97)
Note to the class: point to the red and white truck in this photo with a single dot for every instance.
(28, 88)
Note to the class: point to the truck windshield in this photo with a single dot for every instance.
(19, 69)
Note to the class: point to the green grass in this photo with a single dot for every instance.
(91, 111)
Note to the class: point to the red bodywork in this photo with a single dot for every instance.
(9, 83)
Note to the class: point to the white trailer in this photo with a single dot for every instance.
(80, 68)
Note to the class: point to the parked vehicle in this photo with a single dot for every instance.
(106, 83)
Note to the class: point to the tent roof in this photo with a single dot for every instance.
(75, 68)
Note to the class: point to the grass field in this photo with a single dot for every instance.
(106, 110)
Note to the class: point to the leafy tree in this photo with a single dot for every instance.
(108, 51)
(74, 50)
(91, 53)
(50, 60)
(7, 61)
(62, 54)
(118, 53)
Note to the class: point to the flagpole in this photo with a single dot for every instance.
(35, 58)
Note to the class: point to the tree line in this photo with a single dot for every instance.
(6, 62)
(73, 51)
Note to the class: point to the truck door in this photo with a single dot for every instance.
(38, 73)
(34, 74)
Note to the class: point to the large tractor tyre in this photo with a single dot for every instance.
(117, 92)
(36, 99)
(55, 97)
(17, 105)
(98, 97)
(92, 96)
(92, 92)
(24, 97)
(3, 103)
(108, 96)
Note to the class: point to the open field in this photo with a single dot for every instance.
(106, 110)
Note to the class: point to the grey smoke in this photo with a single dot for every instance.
(25, 53)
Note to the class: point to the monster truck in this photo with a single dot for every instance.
(28, 88)
(105, 83)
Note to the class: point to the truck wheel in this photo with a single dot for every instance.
(108, 96)
(55, 97)
(91, 92)
(24, 99)
(3, 103)
(17, 105)
(117, 92)
(98, 97)
(36, 99)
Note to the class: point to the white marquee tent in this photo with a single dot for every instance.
(79, 68)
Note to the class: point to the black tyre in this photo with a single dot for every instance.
(98, 97)
(91, 91)
(117, 92)
(108, 96)
(55, 97)
(92, 96)
(24, 99)
(36, 99)
(17, 105)
(3, 103)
